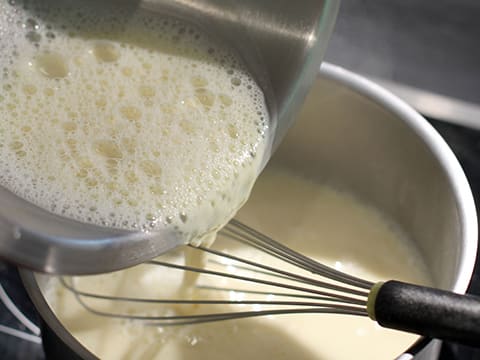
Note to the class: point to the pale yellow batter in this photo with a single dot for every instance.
(316, 220)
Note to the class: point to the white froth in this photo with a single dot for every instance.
(127, 120)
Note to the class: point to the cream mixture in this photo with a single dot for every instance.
(125, 118)
(316, 220)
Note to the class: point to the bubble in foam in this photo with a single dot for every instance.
(139, 124)
(52, 65)
(106, 51)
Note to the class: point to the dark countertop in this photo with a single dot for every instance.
(466, 146)
(428, 44)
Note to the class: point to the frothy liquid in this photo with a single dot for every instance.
(126, 119)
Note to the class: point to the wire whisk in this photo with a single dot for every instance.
(298, 284)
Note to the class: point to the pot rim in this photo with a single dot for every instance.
(420, 126)
(442, 151)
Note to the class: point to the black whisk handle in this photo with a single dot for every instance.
(426, 311)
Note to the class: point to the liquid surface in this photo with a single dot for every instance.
(125, 118)
(325, 224)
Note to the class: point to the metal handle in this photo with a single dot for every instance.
(426, 311)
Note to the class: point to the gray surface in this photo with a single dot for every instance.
(428, 44)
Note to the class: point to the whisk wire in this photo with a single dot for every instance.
(276, 272)
(392, 304)
(258, 281)
(304, 294)
(307, 307)
(246, 234)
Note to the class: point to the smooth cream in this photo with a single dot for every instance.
(316, 220)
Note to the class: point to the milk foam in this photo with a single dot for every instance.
(127, 120)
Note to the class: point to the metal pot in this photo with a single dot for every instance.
(362, 138)
(281, 43)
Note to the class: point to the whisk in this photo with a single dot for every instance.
(422, 310)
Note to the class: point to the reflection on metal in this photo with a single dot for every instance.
(436, 106)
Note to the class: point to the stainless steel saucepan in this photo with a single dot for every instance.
(281, 42)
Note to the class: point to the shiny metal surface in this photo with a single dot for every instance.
(281, 42)
(360, 137)
(400, 164)
(439, 107)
